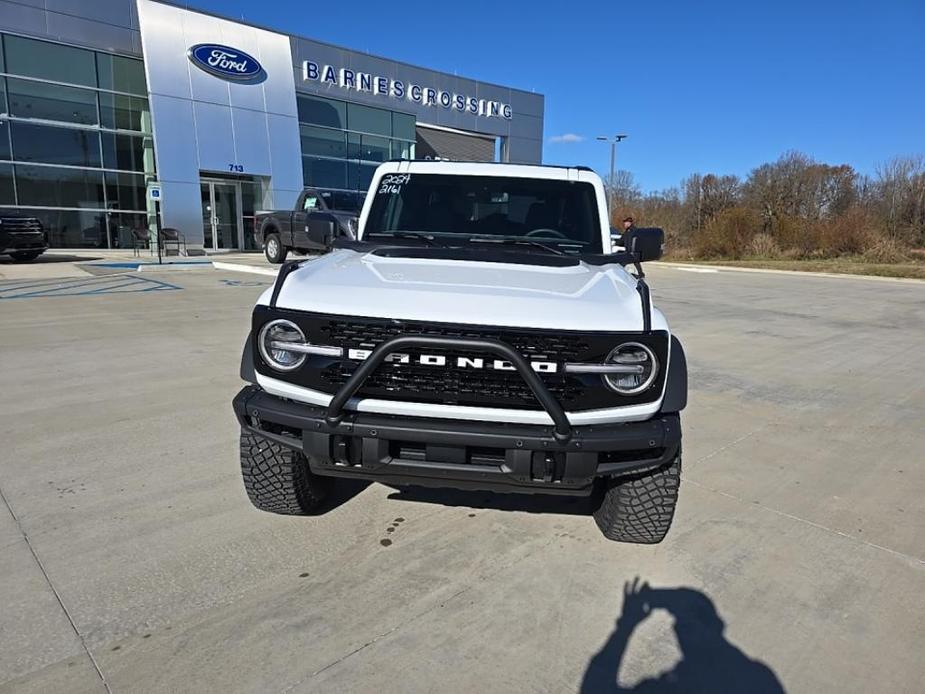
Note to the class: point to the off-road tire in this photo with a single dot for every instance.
(274, 249)
(25, 256)
(639, 508)
(277, 479)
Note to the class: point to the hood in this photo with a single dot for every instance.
(578, 297)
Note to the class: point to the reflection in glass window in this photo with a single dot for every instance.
(324, 173)
(124, 112)
(73, 228)
(42, 143)
(52, 102)
(126, 152)
(402, 149)
(323, 142)
(50, 61)
(367, 119)
(123, 224)
(51, 186)
(121, 74)
(374, 148)
(4, 141)
(3, 108)
(320, 111)
(403, 126)
(6, 185)
(359, 176)
(125, 191)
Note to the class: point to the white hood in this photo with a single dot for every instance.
(581, 297)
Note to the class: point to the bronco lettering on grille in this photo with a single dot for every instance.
(546, 367)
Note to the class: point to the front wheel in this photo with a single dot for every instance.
(639, 508)
(25, 256)
(274, 250)
(277, 479)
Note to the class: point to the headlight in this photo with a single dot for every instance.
(632, 354)
(273, 340)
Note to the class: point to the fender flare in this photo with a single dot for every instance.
(676, 388)
(247, 361)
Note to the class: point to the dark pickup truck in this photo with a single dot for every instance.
(319, 217)
(21, 237)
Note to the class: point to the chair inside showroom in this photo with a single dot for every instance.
(172, 237)
(141, 238)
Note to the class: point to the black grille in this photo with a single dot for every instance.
(20, 225)
(455, 385)
(533, 345)
(449, 384)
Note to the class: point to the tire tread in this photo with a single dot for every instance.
(277, 479)
(640, 508)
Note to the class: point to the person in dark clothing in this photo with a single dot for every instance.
(709, 663)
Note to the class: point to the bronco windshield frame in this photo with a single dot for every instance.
(464, 209)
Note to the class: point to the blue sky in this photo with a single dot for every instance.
(707, 85)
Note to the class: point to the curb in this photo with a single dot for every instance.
(235, 267)
(172, 267)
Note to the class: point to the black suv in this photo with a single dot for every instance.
(22, 238)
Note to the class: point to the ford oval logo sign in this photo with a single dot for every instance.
(227, 63)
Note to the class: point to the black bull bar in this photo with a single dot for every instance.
(562, 430)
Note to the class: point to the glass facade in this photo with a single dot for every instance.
(343, 143)
(76, 148)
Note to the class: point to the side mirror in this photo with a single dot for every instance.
(646, 242)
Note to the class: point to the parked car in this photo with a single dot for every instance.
(23, 238)
(319, 217)
(479, 334)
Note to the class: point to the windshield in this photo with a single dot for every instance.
(552, 213)
(342, 201)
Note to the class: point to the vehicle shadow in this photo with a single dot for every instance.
(709, 663)
(341, 492)
(46, 259)
(524, 503)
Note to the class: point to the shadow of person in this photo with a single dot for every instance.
(709, 663)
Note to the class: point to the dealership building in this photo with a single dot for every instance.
(104, 104)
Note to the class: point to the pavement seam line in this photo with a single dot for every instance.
(731, 444)
(818, 526)
(54, 591)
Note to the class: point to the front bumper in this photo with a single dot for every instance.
(13, 242)
(460, 454)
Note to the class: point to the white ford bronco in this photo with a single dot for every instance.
(479, 333)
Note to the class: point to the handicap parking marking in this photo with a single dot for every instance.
(83, 286)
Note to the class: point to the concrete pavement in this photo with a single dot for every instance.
(133, 561)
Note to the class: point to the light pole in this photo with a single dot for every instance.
(613, 162)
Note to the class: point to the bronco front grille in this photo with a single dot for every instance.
(454, 385)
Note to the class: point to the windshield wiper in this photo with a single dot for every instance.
(421, 236)
(515, 242)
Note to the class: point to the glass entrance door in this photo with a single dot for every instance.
(221, 216)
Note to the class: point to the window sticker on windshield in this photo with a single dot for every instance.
(392, 183)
